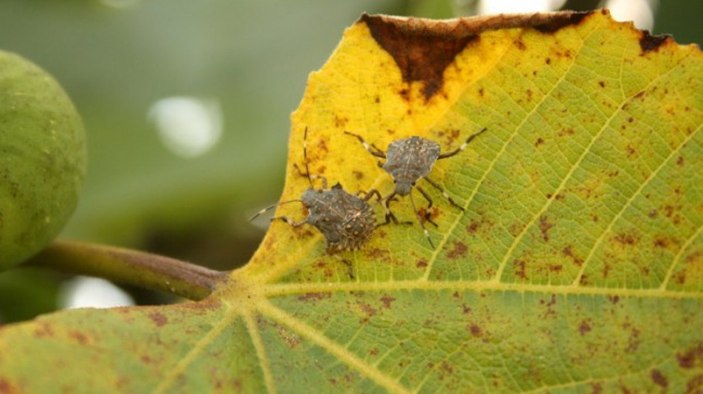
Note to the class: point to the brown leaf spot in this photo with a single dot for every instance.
(288, 337)
(43, 330)
(650, 42)
(566, 132)
(314, 296)
(596, 388)
(631, 151)
(465, 309)
(658, 378)
(472, 227)
(695, 385)
(519, 44)
(340, 122)
(625, 239)
(377, 254)
(584, 281)
(422, 263)
(605, 270)
(405, 94)
(539, 142)
(652, 214)
(447, 367)
(79, 337)
(680, 161)
(368, 310)
(475, 330)
(158, 318)
(694, 257)
(633, 341)
(327, 271)
(7, 388)
(519, 267)
(691, 357)
(459, 250)
(544, 226)
(584, 327)
(421, 54)
(601, 84)
(569, 252)
(387, 301)
(661, 242)
(549, 304)
(614, 299)
(358, 174)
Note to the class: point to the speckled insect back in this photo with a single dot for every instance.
(345, 220)
(408, 160)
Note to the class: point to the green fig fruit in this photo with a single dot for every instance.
(42, 159)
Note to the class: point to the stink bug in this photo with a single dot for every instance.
(344, 219)
(408, 160)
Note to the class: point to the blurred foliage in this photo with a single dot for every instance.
(252, 57)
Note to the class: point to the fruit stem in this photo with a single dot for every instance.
(130, 267)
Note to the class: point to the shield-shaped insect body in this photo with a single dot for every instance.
(345, 220)
(409, 160)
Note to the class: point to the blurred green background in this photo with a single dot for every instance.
(239, 68)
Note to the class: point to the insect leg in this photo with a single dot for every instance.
(427, 210)
(369, 147)
(369, 194)
(324, 180)
(444, 193)
(463, 146)
(390, 216)
(422, 224)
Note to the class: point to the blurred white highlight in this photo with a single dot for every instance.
(187, 126)
(86, 292)
(486, 7)
(641, 12)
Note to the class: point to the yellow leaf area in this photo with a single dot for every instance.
(576, 263)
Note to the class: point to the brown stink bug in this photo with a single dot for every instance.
(408, 160)
(345, 220)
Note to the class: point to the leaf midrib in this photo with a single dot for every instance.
(275, 290)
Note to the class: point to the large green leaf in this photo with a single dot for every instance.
(576, 266)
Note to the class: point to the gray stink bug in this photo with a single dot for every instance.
(345, 220)
(408, 160)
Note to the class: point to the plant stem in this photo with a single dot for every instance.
(130, 267)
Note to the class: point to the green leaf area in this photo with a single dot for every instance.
(576, 265)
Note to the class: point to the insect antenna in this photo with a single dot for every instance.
(263, 211)
(463, 146)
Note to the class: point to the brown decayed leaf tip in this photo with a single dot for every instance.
(649, 42)
(424, 48)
